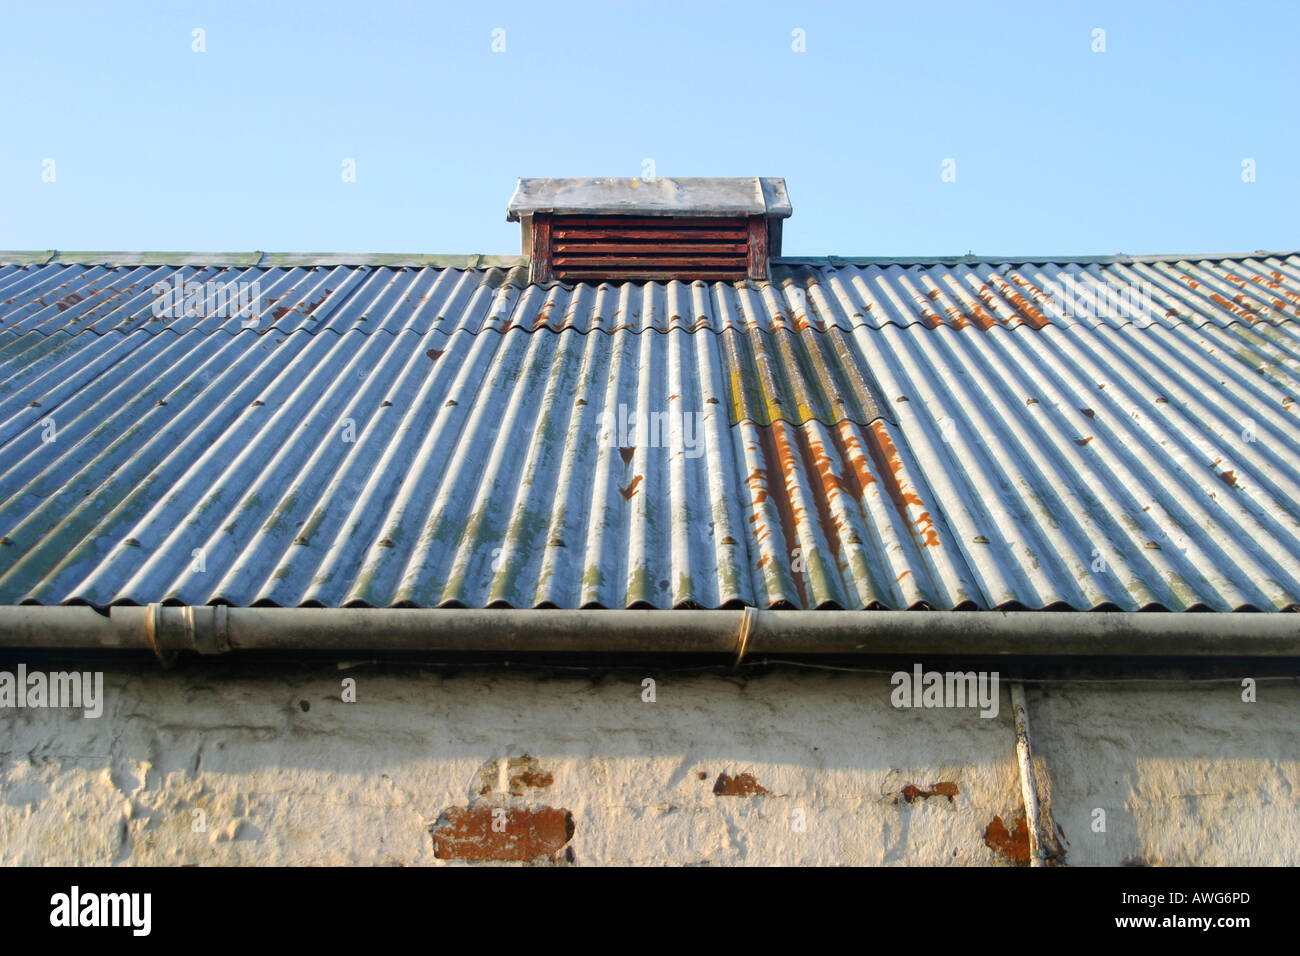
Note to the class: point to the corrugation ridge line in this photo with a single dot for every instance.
(57, 280)
(275, 535)
(429, 514)
(1046, 489)
(731, 542)
(688, 555)
(385, 298)
(303, 280)
(964, 514)
(91, 297)
(484, 524)
(598, 576)
(144, 384)
(1174, 352)
(1249, 279)
(529, 516)
(120, 481)
(408, 445)
(1271, 274)
(233, 496)
(863, 509)
(15, 442)
(208, 322)
(800, 519)
(771, 578)
(1021, 503)
(1156, 453)
(357, 467)
(877, 533)
(1073, 468)
(569, 523)
(1179, 275)
(1092, 476)
(114, 354)
(1228, 296)
(1210, 416)
(1265, 388)
(645, 479)
(137, 320)
(1091, 279)
(189, 489)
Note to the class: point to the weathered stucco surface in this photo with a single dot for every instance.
(719, 769)
(1185, 775)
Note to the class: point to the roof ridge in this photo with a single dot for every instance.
(484, 261)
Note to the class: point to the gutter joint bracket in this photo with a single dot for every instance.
(748, 621)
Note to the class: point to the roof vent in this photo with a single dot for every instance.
(643, 230)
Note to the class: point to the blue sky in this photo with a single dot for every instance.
(1057, 149)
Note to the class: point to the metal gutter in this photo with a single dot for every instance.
(216, 630)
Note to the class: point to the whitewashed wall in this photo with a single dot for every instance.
(286, 772)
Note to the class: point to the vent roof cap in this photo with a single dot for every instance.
(704, 196)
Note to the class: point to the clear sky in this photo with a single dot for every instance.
(1056, 148)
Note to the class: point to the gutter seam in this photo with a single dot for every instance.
(748, 622)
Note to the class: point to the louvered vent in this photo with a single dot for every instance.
(630, 230)
(613, 248)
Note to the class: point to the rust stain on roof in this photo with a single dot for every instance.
(631, 489)
(899, 487)
(1030, 314)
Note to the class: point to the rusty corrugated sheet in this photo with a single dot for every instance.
(801, 295)
(870, 434)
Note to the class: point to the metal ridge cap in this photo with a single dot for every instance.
(1119, 257)
(42, 257)
(264, 259)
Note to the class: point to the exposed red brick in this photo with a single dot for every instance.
(742, 785)
(465, 833)
(944, 788)
(1013, 844)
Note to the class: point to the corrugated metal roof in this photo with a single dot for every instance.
(800, 295)
(944, 434)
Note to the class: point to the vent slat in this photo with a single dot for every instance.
(635, 248)
(732, 235)
(686, 262)
(650, 275)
